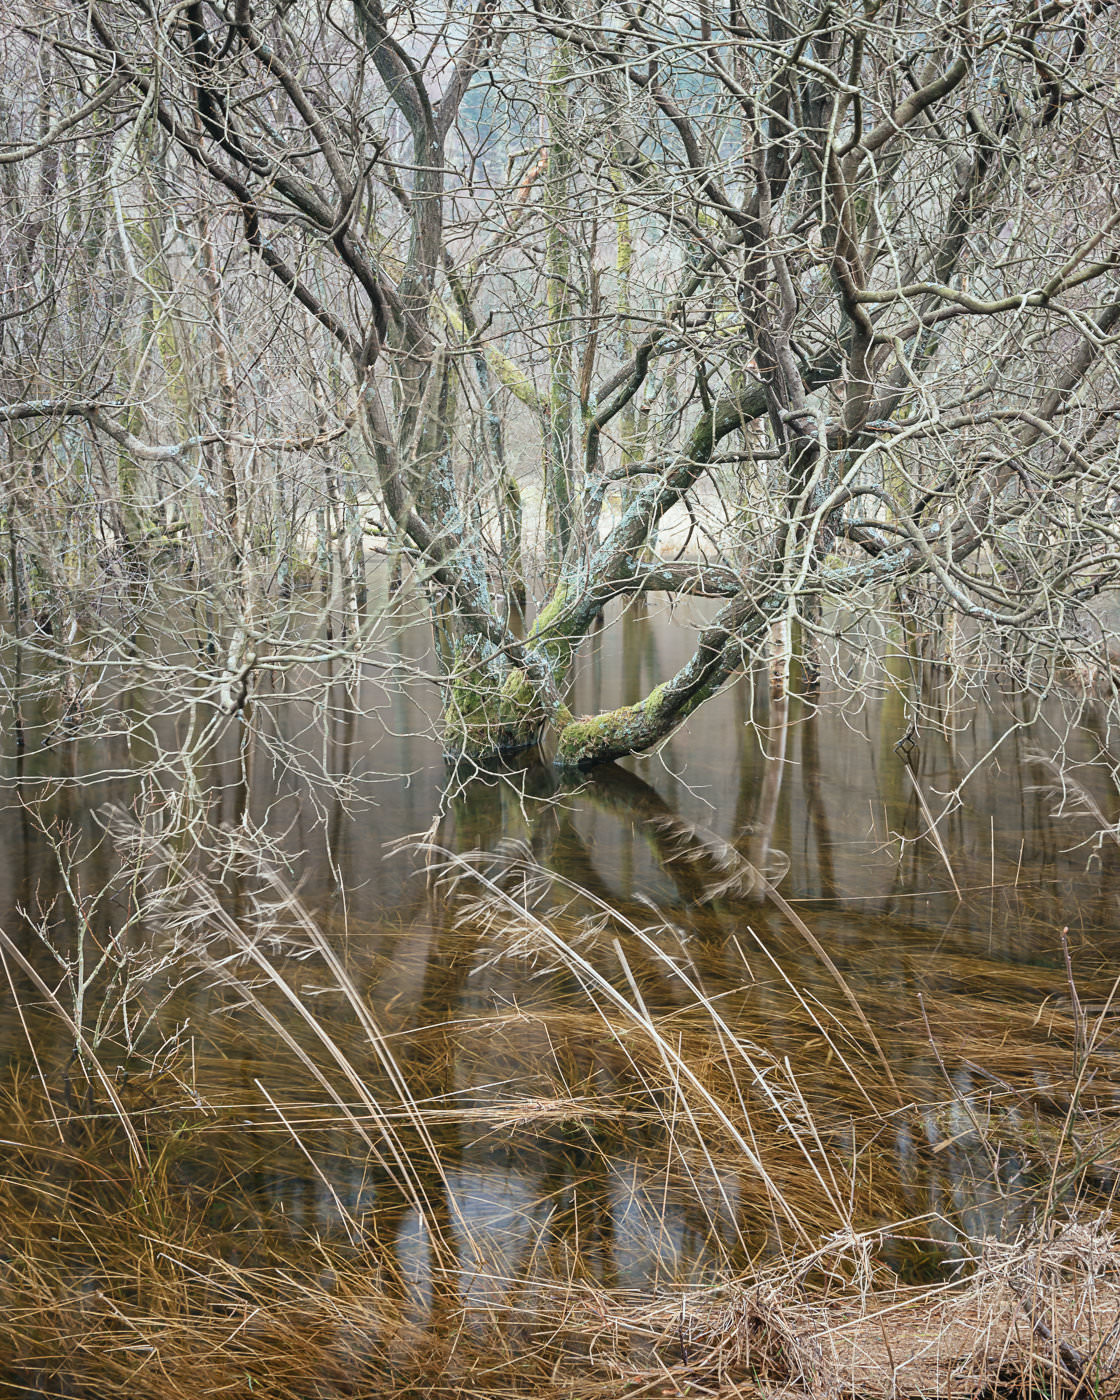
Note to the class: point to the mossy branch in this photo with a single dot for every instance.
(633, 729)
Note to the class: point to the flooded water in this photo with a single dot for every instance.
(821, 966)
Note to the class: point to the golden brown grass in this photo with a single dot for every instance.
(120, 1281)
(279, 1202)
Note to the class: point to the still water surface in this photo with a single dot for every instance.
(559, 1133)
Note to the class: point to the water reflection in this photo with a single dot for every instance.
(558, 1138)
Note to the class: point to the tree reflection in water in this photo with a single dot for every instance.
(614, 1041)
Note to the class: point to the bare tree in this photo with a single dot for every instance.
(810, 309)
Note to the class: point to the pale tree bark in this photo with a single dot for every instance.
(863, 284)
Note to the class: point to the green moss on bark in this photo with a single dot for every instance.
(630, 729)
(547, 634)
(600, 738)
(483, 720)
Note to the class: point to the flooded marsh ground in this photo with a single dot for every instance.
(784, 1062)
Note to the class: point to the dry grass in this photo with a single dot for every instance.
(324, 1191)
(124, 1285)
(1038, 1317)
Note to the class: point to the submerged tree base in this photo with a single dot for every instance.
(485, 724)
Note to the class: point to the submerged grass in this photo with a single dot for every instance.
(560, 1154)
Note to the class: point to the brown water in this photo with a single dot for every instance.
(556, 1136)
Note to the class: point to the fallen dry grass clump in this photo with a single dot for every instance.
(1038, 1317)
